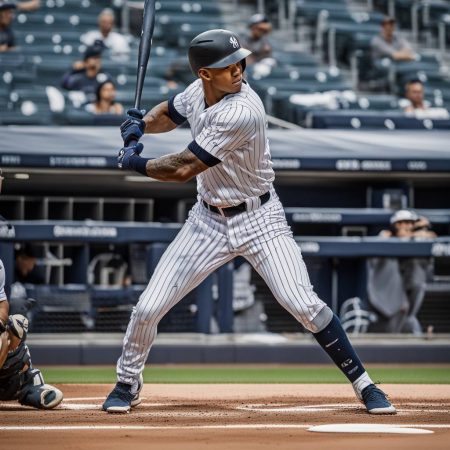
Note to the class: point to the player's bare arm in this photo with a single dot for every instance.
(9, 342)
(180, 167)
(157, 120)
(4, 337)
(4, 311)
(4, 347)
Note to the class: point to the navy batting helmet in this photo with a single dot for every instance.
(215, 49)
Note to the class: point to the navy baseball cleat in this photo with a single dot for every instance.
(120, 399)
(376, 401)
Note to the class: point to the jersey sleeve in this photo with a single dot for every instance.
(228, 131)
(2, 282)
(177, 108)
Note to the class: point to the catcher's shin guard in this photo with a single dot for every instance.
(37, 394)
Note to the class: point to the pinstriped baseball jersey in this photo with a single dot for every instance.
(230, 137)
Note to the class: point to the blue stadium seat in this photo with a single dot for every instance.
(372, 119)
(55, 21)
(318, 74)
(294, 58)
(203, 8)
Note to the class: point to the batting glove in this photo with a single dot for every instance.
(124, 158)
(134, 127)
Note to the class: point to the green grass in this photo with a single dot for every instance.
(254, 374)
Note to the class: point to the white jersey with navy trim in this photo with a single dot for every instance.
(230, 137)
(2, 282)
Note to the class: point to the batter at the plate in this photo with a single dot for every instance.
(238, 213)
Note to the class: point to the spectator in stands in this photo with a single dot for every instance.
(414, 103)
(26, 270)
(407, 224)
(7, 41)
(86, 75)
(257, 40)
(397, 285)
(30, 5)
(105, 100)
(414, 95)
(115, 42)
(389, 44)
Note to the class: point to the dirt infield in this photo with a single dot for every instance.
(233, 416)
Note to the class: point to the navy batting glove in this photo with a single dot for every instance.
(134, 127)
(125, 157)
(136, 113)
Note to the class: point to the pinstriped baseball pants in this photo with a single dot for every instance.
(207, 241)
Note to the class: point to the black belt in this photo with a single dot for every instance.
(233, 210)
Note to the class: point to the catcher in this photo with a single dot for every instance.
(19, 380)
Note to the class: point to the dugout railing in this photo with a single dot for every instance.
(336, 266)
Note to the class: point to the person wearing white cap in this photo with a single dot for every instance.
(406, 223)
(396, 286)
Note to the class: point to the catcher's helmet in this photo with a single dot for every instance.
(214, 49)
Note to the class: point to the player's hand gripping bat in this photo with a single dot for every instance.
(145, 45)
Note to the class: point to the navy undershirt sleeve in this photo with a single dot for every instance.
(174, 115)
(203, 155)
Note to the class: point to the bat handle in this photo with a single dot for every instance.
(132, 142)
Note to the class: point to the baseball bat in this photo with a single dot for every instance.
(145, 45)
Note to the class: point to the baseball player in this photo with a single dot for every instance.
(19, 380)
(238, 213)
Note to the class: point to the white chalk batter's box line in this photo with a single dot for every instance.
(279, 408)
(339, 428)
(332, 407)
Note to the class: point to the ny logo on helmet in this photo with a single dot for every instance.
(234, 42)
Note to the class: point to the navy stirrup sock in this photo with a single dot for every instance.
(334, 341)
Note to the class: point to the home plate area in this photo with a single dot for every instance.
(233, 416)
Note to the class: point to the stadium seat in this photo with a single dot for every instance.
(294, 57)
(27, 106)
(188, 7)
(266, 88)
(390, 120)
(4, 94)
(309, 10)
(335, 101)
(320, 74)
(55, 22)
